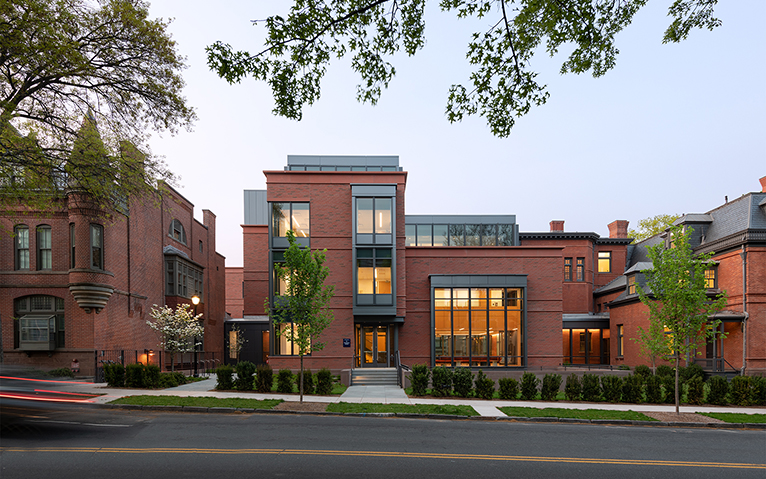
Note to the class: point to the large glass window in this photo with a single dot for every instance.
(374, 220)
(410, 232)
(21, 245)
(604, 261)
(441, 237)
(373, 271)
(459, 235)
(183, 278)
(40, 323)
(291, 216)
(44, 253)
(585, 346)
(282, 345)
(424, 235)
(97, 246)
(479, 327)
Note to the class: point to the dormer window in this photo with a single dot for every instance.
(711, 277)
(631, 285)
(177, 231)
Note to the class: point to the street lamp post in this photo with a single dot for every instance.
(195, 302)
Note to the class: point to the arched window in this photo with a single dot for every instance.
(21, 246)
(39, 324)
(177, 231)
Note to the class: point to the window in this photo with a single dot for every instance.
(177, 231)
(631, 285)
(424, 235)
(22, 247)
(44, 256)
(96, 246)
(373, 275)
(604, 261)
(620, 339)
(580, 271)
(282, 345)
(290, 216)
(200, 246)
(567, 269)
(183, 278)
(374, 221)
(71, 245)
(40, 323)
(409, 232)
(711, 278)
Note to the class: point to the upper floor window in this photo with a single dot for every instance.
(96, 246)
(631, 285)
(374, 216)
(459, 234)
(567, 269)
(373, 275)
(604, 261)
(291, 216)
(580, 270)
(183, 279)
(44, 256)
(711, 278)
(71, 245)
(200, 246)
(22, 247)
(177, 231)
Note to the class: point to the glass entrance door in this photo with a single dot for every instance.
(374, 342)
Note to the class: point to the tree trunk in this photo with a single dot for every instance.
(678, 396)
(172, 362)
(301, 379)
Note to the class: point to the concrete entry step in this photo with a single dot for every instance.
(374, 377)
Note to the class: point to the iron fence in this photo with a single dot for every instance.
(193, 363)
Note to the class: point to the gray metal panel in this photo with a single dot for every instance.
(373, 190)
(256, 207)
(460, 219)
(351, 160)
(472, 280)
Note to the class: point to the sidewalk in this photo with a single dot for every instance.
(386, 395)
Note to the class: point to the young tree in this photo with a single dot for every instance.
(503, 85)
(678, 299)
(651, 226)
(655, 344)
(65, 60)
(178, 330)
(303, 312)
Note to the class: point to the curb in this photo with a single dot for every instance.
(409, 415)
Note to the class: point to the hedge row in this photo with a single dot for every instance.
(261, 379)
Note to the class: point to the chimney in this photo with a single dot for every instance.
(557, 226)
(618, 229)
(763, 184)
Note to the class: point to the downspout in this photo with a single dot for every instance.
(128, 260)
(743, 254)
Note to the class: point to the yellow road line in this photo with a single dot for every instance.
(413, 455)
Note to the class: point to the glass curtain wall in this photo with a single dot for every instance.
(586, 346)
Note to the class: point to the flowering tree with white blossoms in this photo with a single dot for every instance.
(177, 329)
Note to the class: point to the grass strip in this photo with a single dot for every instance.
(574, 413)
(736, 417)
(346, 407)
(149, 400)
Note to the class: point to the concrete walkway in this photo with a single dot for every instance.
(384, 395)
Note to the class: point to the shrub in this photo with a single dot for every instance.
(591, 391)
(114, 373)
(308, 381)
(624, 367)
(529, 383)
(324, 382)
(135, 376)
(462, 382)
(643, 371)
(573, 387)
(170, 380)
(718, 390)
(633, 389)
(654, 389)
(264, 378)
(758, 390)
(669, 387)
(61, 373)
(509, 388)
(664, 370)
(285, 381)
(485, 387)
(686, 374)
(152, 376)
(245, 379)
(419, 379)
(441, 381)
(695, 391)
(551, 386)
(611, 388)
(740, 390)
(224, 378)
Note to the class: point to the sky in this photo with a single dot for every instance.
(672, 129)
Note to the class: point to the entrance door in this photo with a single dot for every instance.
(374, 343)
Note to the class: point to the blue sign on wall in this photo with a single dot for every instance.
(346, 342)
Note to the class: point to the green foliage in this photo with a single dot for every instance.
(529, 384)
(633, 389)
(245, 380)
(178, 330)
(669, 388)
(643, 371)
(718, 390)
(285, 381)
(665, 370)
(691, 371)
(308, 381)
(441, 381)
(324, 382)
(152, 376)
(114, 373)
(758, 390)
(649, 227)
(509, 388)
(419, 379)
(485, 387)
(61, 373)
(171, 380)
(695, 391)
(573, 387)
(462, 382)
(654, 389)
(611, 388)
(264, 378)
(300, 45)
(224, 377)
(591, 390)
(550, 387)
(740, 390)
(106, 58)
(135, 376)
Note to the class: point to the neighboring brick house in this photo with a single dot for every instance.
(73, 283)
(736, 233)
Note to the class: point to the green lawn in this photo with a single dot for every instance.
(402, 408)
(197, 401)
(735, 417)
(574, 413)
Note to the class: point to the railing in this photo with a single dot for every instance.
(188, 363)
(716, 365)
(400, 368)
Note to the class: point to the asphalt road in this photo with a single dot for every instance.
(117, 444)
